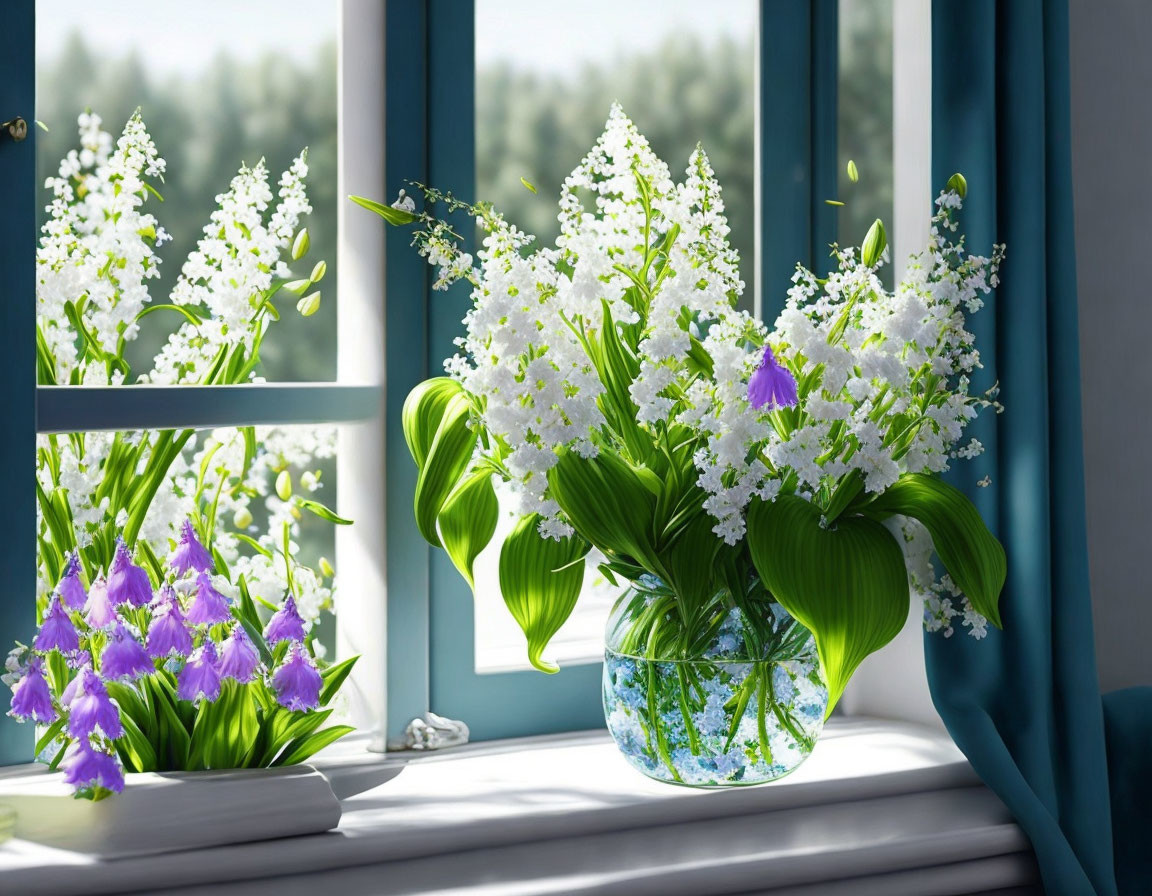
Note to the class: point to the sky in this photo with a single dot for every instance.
(182, 36)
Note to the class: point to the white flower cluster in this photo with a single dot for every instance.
(882, 377)
(93, 264)
(232, 269)
(96, 253)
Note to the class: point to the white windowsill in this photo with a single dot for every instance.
(880, 807)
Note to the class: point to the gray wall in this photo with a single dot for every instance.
(1112, 167)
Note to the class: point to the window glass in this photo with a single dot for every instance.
(545, 80)
(864, 118)
(217, 84)
(249, 494)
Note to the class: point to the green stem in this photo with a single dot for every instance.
(764, 682)
(686, 710)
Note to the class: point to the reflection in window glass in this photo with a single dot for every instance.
(864, 119)
(246, 493)
(217, 85)
(545, 80)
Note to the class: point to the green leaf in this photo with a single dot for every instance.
(134, 748)
(282, 726)
(540, 581)
(847, 584)
(468, 521)
(447, 459)
(689, 560)
(957, 184)
(394, 216)
(527, 186)
(188, 313)
(973, 557)
(608, 504)
(423, 410)
(323, 512)
(226, 729)
(301, 748)
(333, 677)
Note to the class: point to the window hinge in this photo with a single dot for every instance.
(16, 128)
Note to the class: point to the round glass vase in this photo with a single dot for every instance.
(737, 698)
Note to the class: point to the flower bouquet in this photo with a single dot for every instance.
(174, 612)
(769, 496)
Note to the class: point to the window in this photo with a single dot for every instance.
(214, 103)
(469, 96)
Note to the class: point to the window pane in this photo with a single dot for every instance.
(216, 86)
(864, 118)
(545, 80)
(241, 489)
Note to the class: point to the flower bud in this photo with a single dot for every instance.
(319, 271)
(301, 244)
(297, 286)
(242, 519)
(309, 305)
(874, 244)
(853, 172)
(326, 568)
(284, 485)
(958, 185)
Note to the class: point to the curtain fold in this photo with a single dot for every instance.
(1024, 705)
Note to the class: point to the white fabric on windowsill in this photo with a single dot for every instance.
(879, 805)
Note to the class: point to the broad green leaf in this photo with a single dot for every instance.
(540, 580)
(447, 459)
(394, 216)
(973, 557)
(301, 748)
(617, 366)
(847, 584)
(468, 521)
(689, 560)
(423, 410)
(607, 502)
(323, 512)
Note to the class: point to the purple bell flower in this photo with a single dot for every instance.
(297, 682)
(92, 709)
(73, 687)
(70, 590)
(85, 766)
(127, 582)
(57, 631)
(208, 606)
(238, 656)
(123, 657)
(199, 678)
(168, 634)
(31, 698)
(98, 610)
(286, 624)
(189, 553)
(772, 385)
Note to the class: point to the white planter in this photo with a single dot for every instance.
(167, 811)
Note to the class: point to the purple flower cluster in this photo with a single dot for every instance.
(120, 630)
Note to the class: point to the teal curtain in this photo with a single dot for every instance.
(797, 142)
(1024, 705)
